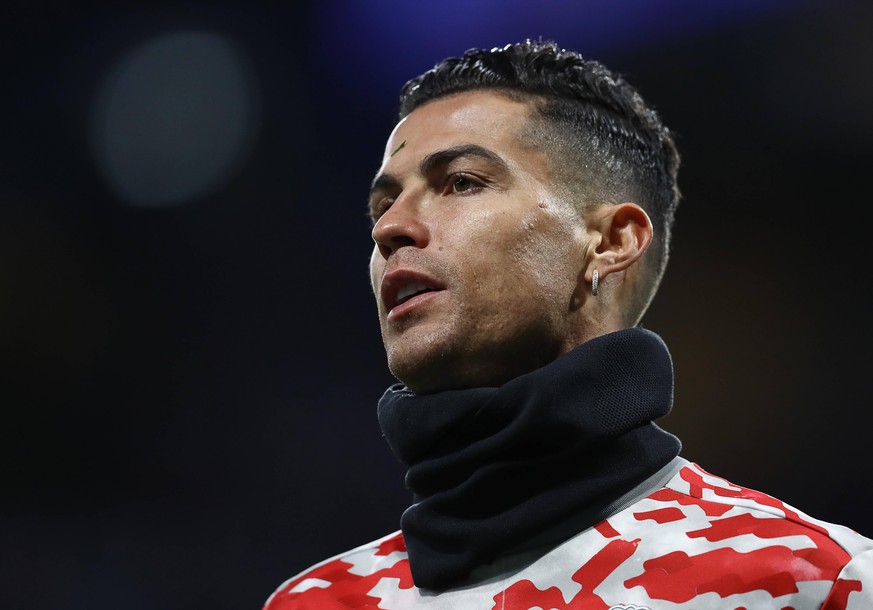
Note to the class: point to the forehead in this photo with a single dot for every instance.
(485, 118)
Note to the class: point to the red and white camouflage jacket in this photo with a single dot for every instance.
(697, 543)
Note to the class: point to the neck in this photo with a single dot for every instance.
(494, 469)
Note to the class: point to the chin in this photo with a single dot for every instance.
(426, 375)
(443, 355)
(419, 379)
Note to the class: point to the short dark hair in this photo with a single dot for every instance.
(607, 145)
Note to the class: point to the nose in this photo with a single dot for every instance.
(400, 226)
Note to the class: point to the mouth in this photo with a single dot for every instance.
(403, 289)
(412, 290)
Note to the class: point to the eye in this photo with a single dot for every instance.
(461, 183)
(378, 208)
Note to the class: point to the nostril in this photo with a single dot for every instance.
(398, 241)
(394, 243)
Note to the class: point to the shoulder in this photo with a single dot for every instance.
(732, 510)
(345, 578)
(713, 535)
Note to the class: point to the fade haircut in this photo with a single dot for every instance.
(606, 145)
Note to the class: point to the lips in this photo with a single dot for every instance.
(402, 288)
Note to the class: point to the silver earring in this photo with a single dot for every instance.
(595, 279)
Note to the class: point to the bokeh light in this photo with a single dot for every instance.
(175, 118)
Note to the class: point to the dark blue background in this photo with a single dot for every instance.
(188, 390)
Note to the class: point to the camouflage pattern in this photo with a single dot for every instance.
(697, 543)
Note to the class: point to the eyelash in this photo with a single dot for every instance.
(379, 209)
(452, 179)
(474, 186)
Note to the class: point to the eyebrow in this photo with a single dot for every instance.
(444, 157)
(441, 158)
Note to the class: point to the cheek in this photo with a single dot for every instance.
(545, 256)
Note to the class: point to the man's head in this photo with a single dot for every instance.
(512, 176)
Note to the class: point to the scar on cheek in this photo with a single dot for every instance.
(397, 150)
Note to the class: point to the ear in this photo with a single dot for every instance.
(624, 232)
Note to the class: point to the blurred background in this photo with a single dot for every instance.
(190, 355)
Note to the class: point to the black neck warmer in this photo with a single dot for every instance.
(494, 468)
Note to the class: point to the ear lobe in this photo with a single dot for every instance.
(626, 232)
